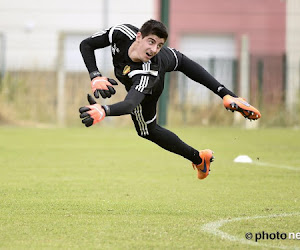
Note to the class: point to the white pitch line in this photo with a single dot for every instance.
(265, 164)
(213, 228)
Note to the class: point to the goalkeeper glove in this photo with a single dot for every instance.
(92, 113)
(102, 85)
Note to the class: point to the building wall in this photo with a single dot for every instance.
(262, 20)
(32, 28)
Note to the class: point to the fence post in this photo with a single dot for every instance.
(163, 102)
(244, 74)
(260, 79)
(60, 111)
(245, 77)
(235, 75)
(2, 56)
(292, 90)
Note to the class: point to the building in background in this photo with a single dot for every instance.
(45, 37)
(211, 33)
(39, 51)
(32, 30)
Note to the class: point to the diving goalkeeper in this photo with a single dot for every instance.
(140, 62)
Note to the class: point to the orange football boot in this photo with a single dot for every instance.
(204, 168)
(239, 104)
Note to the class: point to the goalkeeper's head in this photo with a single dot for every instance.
(154, 27)
(149, 41)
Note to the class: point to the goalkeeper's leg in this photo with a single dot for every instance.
(171, 142)
(231, 102)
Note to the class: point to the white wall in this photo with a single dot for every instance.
(32, 27)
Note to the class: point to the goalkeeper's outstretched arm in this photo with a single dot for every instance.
(94, 113)
(197, 73)
(131, 101)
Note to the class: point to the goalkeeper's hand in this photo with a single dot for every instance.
(103, 86)
(92, 113)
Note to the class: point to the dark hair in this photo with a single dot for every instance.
(154, 27)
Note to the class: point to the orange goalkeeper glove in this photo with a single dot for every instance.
(92, 113)
(103, 86)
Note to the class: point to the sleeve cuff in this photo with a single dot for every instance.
(94, 74)
(106, 109)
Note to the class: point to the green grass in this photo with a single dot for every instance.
(106, 188)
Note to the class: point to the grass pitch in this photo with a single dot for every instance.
(106, 188)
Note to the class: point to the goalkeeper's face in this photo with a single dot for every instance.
(148, 46)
